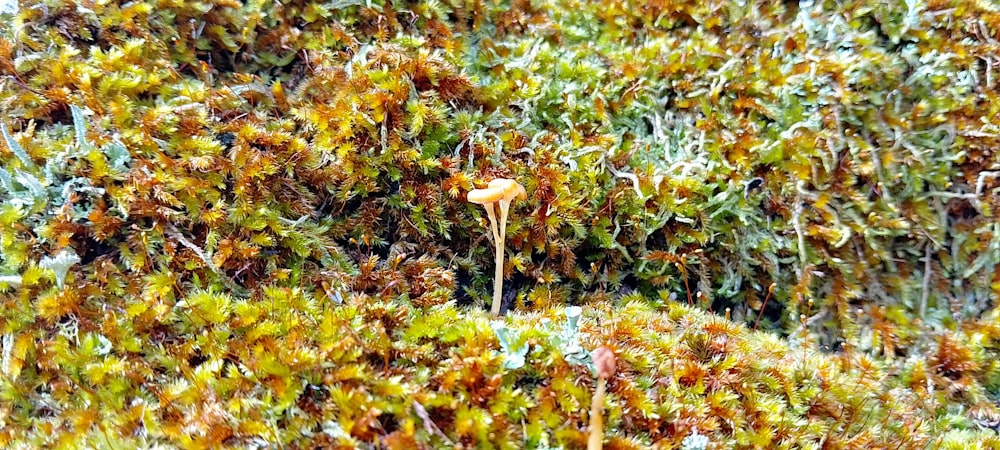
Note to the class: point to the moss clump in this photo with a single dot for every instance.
(374, 372)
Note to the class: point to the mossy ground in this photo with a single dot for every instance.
(243, 224)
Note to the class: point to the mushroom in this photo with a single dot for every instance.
(499, 191)
(604, 363)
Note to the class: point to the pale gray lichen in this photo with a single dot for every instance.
(514, 352)
(11, 280)
(695, 441)
(60, 264)
(568, 339)
(8, 7)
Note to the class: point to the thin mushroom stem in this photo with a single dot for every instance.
(605, 365)
(498, 279)
(498, 240)
(504, 209)
(498, 275)
(596, 439)
(493, 222)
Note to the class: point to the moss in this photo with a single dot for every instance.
(373, 371)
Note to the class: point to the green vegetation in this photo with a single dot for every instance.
(244, 224)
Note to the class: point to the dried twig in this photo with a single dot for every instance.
(230, 284)
(429, 424)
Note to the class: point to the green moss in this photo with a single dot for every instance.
(271, 378)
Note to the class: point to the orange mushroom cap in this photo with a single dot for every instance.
(510, 188)
(604, 362)
(483, 196)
